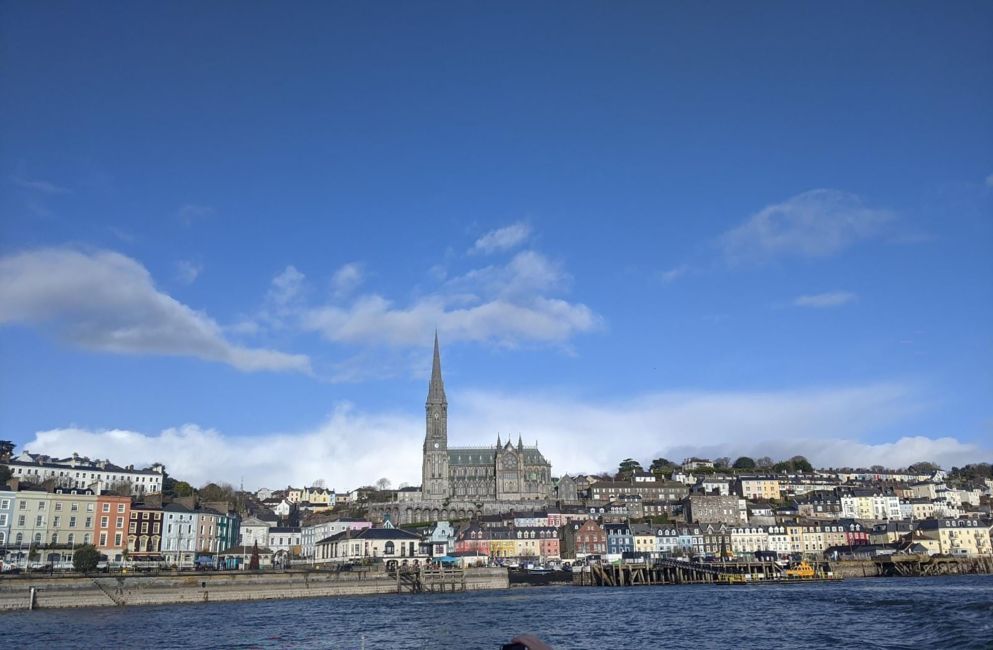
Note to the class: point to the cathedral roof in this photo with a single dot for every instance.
(487, 456)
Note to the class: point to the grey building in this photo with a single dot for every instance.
(505, 472)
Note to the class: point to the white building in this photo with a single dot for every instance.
(80, 472)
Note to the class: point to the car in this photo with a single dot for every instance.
(38, 567)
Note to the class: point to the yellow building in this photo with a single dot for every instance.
(963, 537)
(764, 488)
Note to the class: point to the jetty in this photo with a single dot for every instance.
(678, 572)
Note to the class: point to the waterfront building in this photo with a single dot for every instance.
(667, 540)
(619, 538)
(579, 539)
(535, 542)
(179, 538)
(691, 464)
(80, 472)
(473, 538)
(322, 526)
(285, 541)
(112, 517)
(7, 509)
(145, 532)
(254, 530)
(748, 540)
(393, 545)
(240, 557)
(643, 536)
(959, 537)
(70, 522)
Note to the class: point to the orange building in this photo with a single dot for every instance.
(111, 526)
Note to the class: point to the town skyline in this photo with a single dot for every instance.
(654, 235)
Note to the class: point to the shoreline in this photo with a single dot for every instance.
(73, 591)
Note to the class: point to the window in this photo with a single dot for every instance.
(106, 507)
(120, 507)
(88, 523)
(104, 522)
(39, 521)
(20, 520)
(103, 539)
(71, 539)
(19, 539)
(72, 522)
(120, 522)
(41, 505)
(4, 504)
(74, 506)
(3, 519)
(134, 527)
(24, 505)
(144, 527)
(86, 538)
(56, 521)
(55, 538)
(58, 506)
(89, 507)
(117, 539)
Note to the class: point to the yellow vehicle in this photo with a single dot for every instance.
(801, 570)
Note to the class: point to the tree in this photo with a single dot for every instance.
(722, 462)
(923, 467)
(119, 488)
(660, 465)
(764, 463)
(627, 468)
(86, 558)
(253, 563)
(744, 462)
(5, 474)
(801, 464)
(383, 484)
(6, 449)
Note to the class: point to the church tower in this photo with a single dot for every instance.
(434, 472)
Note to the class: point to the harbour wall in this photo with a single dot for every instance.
(54, 592)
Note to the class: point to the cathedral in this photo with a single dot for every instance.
(506, 472)
(459, 483)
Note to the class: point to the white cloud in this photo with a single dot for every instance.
(106, 301)
(351, 448)
(817, 223)
(825, 300)
(191, 212)
(505, 304)
(38, 185)
(502, 239)
(187, 272)
(346, 279)
(674, 273)
(286, 287)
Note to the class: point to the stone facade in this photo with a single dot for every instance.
(463, 482)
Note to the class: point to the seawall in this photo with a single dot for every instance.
(53, 592)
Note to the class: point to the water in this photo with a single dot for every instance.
(912, 613)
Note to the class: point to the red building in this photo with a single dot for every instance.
(110, 531)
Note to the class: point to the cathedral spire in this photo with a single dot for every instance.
(520, 442)
(436, 391)
(498, 439)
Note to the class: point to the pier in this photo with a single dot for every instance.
(431, 580)
(676, 572)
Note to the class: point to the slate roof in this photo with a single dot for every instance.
(372, 533)
(487, 456)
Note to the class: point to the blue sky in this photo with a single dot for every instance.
(229, 232)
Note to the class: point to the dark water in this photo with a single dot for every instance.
(955, 612)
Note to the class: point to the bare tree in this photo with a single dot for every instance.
(383, 484)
